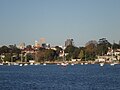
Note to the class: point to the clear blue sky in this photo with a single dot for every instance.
(57, 20)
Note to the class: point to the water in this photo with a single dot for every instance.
(53, 77)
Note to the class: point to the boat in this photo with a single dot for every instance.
(72, 64)
(1, 63)
(25, 64)
(64, 64)
(112, 64)
(9, 64)
(31, 63)
(81, 63)
(36, 64)
(86, 63)
(58, 64)
(15, 64)
(21, 65)
(44, 64)
(101, 64)
(113, 61)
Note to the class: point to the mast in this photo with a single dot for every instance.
(112, 49)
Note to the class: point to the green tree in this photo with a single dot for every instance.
(30, 56)
(90, 51)
(102, 47)
(4, 49)
(40, 56)
(50, 54)
(115, 46)
(58, 50)
(7, 57)
(81, 54)
(76, 53)
(72, 52)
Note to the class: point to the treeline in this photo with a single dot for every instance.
(90, 52)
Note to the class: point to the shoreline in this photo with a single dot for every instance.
(58, 62)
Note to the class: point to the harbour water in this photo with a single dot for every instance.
(55, 77)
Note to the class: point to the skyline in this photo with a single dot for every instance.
(58, 20)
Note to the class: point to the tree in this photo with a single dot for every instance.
(102, 49)
(69, 49)
(14, 49)
(81, 54)
(7, 57)
(4, 49)
(40, 55)
(90, 51)
(102, 46)
(50, 54)
(30, 56)
(115, 46)
(29, 47)
(72, 52)
(76, 53)
(58, 50)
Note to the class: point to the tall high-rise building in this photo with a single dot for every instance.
(68, 42)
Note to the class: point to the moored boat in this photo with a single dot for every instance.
(64, 64)
(101, 64)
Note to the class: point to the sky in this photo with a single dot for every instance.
(58, 20)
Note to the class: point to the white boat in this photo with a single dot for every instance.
(36, 64)
(9, 64)
(72, 64)
(81, 63)
(21, 65)
(25, 64)
(31, 64)
(44, 64)
(112, 64)
(15, 64)
(1, 63)
(64, 64)
(101, 64)
(86, 63)
(58, 64)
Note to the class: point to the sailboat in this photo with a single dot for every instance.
(85, 60)
(64, 63)
(112, 60)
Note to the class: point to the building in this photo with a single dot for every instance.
(68, 42)
(37, 44)
(44, 45)
(21, 46)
